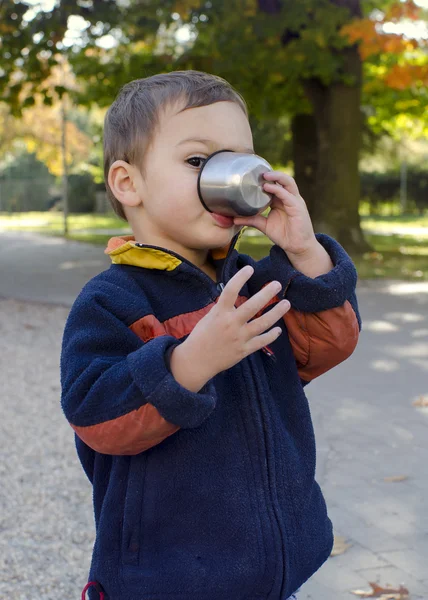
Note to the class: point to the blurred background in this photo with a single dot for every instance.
(337, 91)
(338, 95)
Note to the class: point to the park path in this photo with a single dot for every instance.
(46, 269)
(366, 425)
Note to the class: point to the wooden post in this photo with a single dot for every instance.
(403, 186)
(64, 164)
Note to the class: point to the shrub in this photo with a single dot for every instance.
(379, 189)
(81, 193)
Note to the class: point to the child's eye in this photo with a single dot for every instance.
(196, 161)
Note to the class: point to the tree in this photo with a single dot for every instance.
(32, 41)
(395, 71)
(39, 131)
(315, 51)
(304, 59)
(308, 60)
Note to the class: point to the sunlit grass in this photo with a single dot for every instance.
(54, 222)
(395, 256)
(390, 223)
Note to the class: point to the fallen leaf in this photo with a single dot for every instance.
(421, 401)
(340, 546)
(396, 478)
(383, 593)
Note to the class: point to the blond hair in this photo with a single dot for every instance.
(131, 120)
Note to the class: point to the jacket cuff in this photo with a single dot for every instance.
(323, 292)
(149, 367)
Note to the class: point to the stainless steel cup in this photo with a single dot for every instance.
(231, 184)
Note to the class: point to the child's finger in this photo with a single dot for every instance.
(257, 302)
(280, 192)
(258, 221)
(266, 321)
(231, 290)
(259, 342)
(285, 180)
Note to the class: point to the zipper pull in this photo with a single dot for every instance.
(98, 588)
(220, 287)
(269, 353)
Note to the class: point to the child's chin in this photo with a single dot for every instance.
(224, 237)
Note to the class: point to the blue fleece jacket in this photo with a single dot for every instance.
(226, 506)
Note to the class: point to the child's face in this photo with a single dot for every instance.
(171, 213)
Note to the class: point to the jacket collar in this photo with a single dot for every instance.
(124, 250)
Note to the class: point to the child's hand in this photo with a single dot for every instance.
(288, 223)
(225, 336)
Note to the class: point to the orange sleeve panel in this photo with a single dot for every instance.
(322, 340)
(131, 434)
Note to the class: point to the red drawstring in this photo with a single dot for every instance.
(97, 586)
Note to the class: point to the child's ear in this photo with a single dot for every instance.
(123, 180)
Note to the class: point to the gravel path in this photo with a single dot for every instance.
(46, 522)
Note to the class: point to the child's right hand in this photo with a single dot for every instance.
(225, 336)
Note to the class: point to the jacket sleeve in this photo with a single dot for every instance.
(118, 393)
(322, 340)
(324, 321)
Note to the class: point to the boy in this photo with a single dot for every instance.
(183, 364)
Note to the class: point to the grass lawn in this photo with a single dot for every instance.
(391, 222)
(396, 256)
(52, 222)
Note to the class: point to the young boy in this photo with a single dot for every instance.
(183, 364)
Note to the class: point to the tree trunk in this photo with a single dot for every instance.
(326, 147)
(338, 126)
(305, 157)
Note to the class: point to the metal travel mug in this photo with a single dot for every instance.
(231, 184)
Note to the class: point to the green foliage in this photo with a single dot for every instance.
(266, 49)
(81, 193)
(249, 34)
(267, 55)
(125, 63)
(272, 139)
(31, 42)
(379, 189)
(25, 185)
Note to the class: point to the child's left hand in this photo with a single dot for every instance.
(288, 223)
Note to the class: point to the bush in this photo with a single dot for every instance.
(26, 185)
(380, 189)
(81, 193)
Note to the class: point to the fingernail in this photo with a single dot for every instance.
(276, 286)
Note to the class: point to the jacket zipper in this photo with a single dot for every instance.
(265, 428)
(205, 278)
(220, 285)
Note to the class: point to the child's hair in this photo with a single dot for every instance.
(131, 120)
